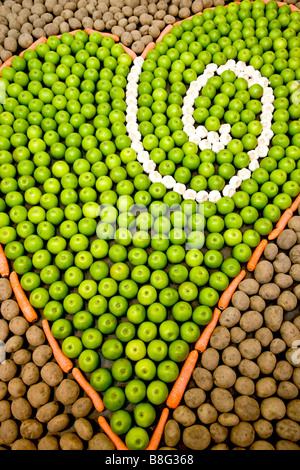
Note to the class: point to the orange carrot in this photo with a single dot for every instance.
(158, 432)
(179, 386)
(202, 342)
(4, 266)
(148, 48)
(119, 444)
(256, 255)
(281, 224)
(165, 31)
(274, 234)
(286, 216)
(43, 39)
(94, 396)
(228, 293)
(129, 51)
(7, 63)
(63, 361)
(23, 302)
(295, 204)
(90, 31)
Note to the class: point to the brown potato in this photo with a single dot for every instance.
(21, 357)
(284, 281)
(46, 412)
(283, 371)
(296, 377)
(8, 431)
(266, 362)
(286, 239)
(251, 321)
(262, 445)
(16, 387)
(229, 317)
(48, 442)
(263, 428)
(100, 441)
(231, 356)
(38, 394)
(30, 373)
(210, 359)
(240, 300)
(84, 429)
(41, 355)
(264, 336)
(257, 303)
(242, 434)
(207, 413)
(237, 335)
(3, 389)
(249, 369)
(222, 400)
(13, 344)
(4, 329)
(58, 423)
(218, 432)
(228, 419)
(266, 387)
(263, 272)
(272, 408)
(273, 317)
(5, 289)
(250, 348)
(23, 444)
(293, 410)
(286, 445)
(70, 441)
(35, 336)
(277, 346)
(269, 291)
(271, 251)
(249, 286)
(8, 370)
(246, 408)
(171, 433)
(196, 437)
(194, 397)
(224, 376)
(220, 338)
(287, 300)
(9, 309)
(203, 378)
(244, 386)
(67, 392)
(21, 409)
(287, 390)
(288, 429)
(52, 374)
(82, 407)
(282, 263)
(4, 410)
(18, 325)
(31, 429)
(184, 416)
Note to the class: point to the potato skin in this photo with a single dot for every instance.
(242, 434)
(100, 441)
(46, 412)
(172, 433)
(273, 408)
(196, 437)
(184, 416)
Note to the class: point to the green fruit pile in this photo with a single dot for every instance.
(127, 272)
